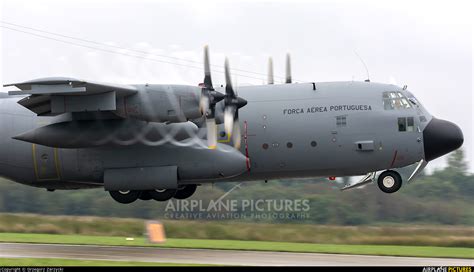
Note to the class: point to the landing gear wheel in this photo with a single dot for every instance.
(389, 181)
(125, 197)
(185, 192)
(145, 195)
(162, 194)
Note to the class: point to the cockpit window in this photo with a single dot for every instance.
(406, 124)
(395, 101)
(412, 99)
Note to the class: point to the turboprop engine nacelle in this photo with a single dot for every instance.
(161, 103)
(95, 133)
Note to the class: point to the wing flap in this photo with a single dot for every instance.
(83, 103)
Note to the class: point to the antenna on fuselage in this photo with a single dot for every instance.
(288, 69)
(365, 66)
(270, 71)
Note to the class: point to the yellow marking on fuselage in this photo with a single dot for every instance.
(33, 146)
(56, 164)
(225, 140)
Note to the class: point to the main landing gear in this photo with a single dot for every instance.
(127, 197)
(185, 191)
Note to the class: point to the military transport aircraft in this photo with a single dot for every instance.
(161, 141)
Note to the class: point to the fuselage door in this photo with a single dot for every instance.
(46, 165)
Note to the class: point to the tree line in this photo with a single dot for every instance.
(442, 197)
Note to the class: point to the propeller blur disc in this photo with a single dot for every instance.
(204, 104)
(211, 133)
(229, 119)
(236, 136)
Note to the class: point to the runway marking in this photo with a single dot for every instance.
(213, 256)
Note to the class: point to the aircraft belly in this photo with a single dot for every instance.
(193, 163)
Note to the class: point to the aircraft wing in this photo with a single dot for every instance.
(58, 95)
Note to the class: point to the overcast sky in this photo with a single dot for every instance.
(425, 45)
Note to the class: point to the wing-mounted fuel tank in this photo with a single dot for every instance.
(161, 103)
(95, 133)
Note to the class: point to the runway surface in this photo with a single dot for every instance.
(219, 257)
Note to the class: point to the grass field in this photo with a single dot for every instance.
(419, 235)
(392, 250)
(13, 262)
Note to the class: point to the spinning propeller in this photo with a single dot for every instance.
(232, 104)
(210, 97)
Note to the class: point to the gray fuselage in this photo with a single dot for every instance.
(289, 131)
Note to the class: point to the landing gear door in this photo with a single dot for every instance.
(45, 163)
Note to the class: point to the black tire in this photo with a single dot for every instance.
(389, 181)
(162, 194)
(125, 197)
(186, 191)
(145, 195)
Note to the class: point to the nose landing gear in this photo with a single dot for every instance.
(389, 181)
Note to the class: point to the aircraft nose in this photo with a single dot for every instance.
(441, 137)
